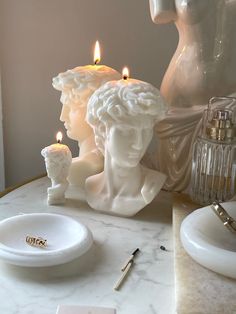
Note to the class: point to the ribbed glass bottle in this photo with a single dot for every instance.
(213, 172)
(213, 175)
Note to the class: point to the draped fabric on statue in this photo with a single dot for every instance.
(177, 131)
(168, 153)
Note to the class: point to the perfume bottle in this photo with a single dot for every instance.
(214, 153)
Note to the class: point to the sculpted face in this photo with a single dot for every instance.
(53, 168)
(76, 87)
(56, 170)
(127, 141)
(73, 115)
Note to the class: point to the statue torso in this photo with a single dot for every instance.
(203, 64)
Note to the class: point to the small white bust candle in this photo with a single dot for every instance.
(57, 160)
(122, 114)
(76, 86)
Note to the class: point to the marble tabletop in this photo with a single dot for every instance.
(198, 290)
(89, 280)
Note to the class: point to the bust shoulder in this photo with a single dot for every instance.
(153, 182)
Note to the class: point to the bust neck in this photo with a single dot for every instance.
(120, 180)
(87, 145)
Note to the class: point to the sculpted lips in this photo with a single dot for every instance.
(134, 155)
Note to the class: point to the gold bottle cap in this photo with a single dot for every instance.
(221, 127)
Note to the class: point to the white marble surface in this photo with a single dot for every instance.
(89, 280)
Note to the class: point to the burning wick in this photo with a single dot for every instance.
(97, 55)
(59, 137)
(125, 73)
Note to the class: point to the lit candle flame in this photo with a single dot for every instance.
(97, 54)
(125, 73)
(59, 137)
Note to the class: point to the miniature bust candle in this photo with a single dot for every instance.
(203, 66)
(123, 114)
(58, 160)
(77, 85)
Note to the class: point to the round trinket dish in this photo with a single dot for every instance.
(209, 242)
(54, 239)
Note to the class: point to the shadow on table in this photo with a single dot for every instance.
(82, 267)
(159, 210)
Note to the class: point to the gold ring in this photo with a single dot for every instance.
(36, 241)
(227, 220)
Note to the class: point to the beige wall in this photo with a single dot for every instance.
(2, 172)
(40, 38)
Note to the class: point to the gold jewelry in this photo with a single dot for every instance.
(226, 219)
(36, 241)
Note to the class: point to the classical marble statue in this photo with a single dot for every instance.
(203, 66)
(57, 160)
(123, 114)
(76, 86)
(204, 62)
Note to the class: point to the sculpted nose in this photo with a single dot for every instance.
(64, 113)
(138, 141)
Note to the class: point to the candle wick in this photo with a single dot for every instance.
(125, 77)
(58, 141)
(96, 61)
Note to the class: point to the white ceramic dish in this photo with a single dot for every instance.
(209, 242)
(67, 239)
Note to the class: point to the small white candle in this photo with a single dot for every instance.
(57, 160)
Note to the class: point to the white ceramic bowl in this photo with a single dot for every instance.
(67, 239)
(209, 242)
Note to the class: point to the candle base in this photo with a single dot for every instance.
(56, 194)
